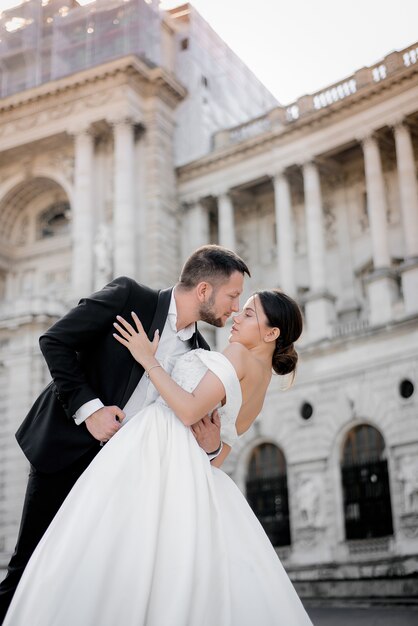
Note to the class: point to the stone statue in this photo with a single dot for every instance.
(103, 249)
(309, 501)
(408, 476)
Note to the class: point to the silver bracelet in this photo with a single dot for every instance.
(151, 368)
(217, 451)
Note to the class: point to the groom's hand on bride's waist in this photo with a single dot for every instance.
(208, 432)
(105, 422)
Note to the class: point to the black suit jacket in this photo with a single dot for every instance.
(86, 362)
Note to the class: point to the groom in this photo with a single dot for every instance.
(96, 383)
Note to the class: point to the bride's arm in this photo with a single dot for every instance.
(189, 407)
(242, 425)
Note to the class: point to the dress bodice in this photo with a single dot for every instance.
(190, 369)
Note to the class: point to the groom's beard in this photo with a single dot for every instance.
(207, 313)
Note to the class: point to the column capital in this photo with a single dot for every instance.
(310, 160)
(190, 203)
(399, 123)
(367, 137)
(223, 193)
(279, 172)
(120, 120)
(310, 165)
(124, 119)
(397, 120)
(80, 130)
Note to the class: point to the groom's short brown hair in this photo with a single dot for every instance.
(213, 264)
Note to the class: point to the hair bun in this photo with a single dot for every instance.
(284, 313)
(285, 359)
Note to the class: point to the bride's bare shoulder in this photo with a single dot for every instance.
(238, 355)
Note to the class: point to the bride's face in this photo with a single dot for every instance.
(250, 326)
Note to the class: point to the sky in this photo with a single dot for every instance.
(296, 47)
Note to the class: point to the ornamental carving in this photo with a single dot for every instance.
(410, 526)
(62, 162)
(361, 223)
(309, 501)
(59, 111)
(330, 223)
(407, 475)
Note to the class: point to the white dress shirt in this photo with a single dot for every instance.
(172, 344)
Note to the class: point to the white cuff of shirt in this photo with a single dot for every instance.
(213, 456)
(86, 410)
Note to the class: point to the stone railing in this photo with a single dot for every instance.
(257, 126)
(311, 103)
(344, 329)
(367, 547)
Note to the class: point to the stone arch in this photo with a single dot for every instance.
(365, 487)
(21, 197)
(267, 491)
(335, 466)
(28, 269)
(38, 172)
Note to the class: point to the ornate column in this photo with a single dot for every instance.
(381, 282)
(82, 215)
(124, 222)
(284, 234)
(408, 189)
(226, 223)
(226, 237)
(195, 228)
(320, 312)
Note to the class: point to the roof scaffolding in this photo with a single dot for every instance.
(42, 41)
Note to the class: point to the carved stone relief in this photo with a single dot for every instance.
(330, 222)
(309, 500)
(63, 162)
(407, 475)
(361, 222)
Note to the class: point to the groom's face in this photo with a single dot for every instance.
(222, 301)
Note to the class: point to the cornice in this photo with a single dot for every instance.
(130, 65)
(311, 121)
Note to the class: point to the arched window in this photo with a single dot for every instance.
(267, 492)
(365, 481)
(53, 221)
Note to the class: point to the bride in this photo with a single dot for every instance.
(153, 534)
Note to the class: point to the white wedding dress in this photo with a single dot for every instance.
(153, 535)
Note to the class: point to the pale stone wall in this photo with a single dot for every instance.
(324, 204)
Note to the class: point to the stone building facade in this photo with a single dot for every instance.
(319, 197)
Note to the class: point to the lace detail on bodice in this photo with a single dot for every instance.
(189, 371)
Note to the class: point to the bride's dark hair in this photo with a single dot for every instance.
(284, 313)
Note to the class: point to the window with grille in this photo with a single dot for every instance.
(267, 492)
(365, 483)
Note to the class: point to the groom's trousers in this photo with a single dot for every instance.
(44, 495)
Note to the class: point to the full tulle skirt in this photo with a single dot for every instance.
(153, 535)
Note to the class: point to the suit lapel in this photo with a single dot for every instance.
(161, 312)
(158, 321)
(197, 341)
